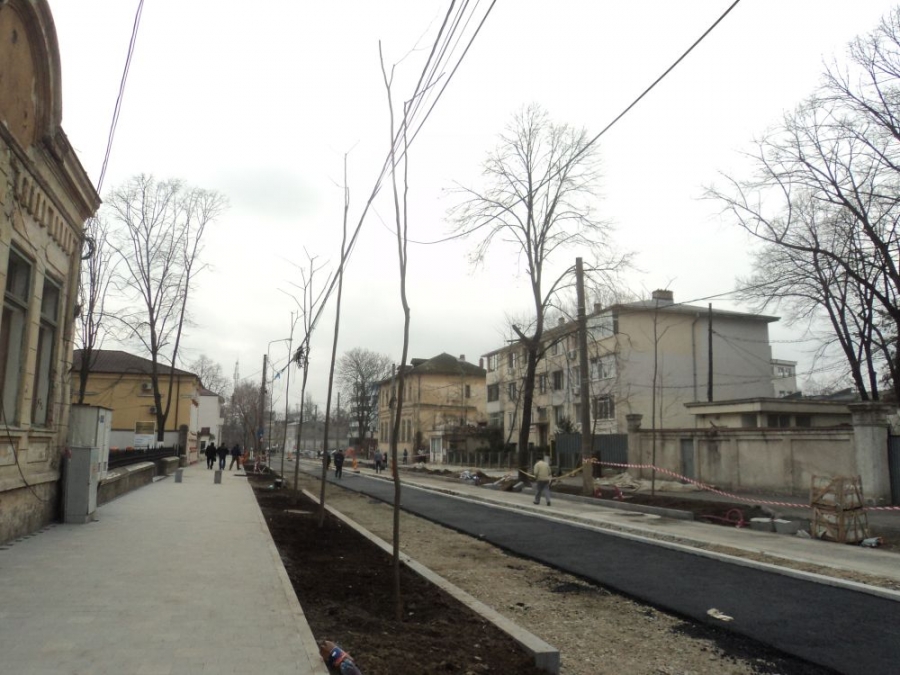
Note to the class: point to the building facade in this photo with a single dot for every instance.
(443, 408)
(121, 381)
(45, 197)
(649, 357)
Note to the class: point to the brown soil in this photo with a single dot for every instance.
(343, 584)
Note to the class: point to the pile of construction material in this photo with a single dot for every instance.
(628, 483)
(838, 509)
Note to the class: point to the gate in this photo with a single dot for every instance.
(894, 468)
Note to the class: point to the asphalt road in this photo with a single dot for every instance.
(841, 629)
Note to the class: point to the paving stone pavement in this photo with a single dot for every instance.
(174, 578)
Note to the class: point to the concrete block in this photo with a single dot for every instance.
(179, 475)
(217, 479)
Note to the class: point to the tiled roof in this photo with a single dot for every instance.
(115, 361)
(442, 364)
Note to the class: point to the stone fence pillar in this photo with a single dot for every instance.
(870, 446)
(635, 451)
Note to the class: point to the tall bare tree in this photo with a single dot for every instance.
(159, 245)
(539, 197)
(210, 373)
(96, 274)
(822, 203)
(241, 415)
(358, 372)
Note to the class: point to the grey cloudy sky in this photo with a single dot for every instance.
(261, 100)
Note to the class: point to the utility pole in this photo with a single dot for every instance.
(709, 380)
(260, 413)
(587, 436)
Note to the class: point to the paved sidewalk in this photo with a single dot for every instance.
(773, 546)
(172, 578)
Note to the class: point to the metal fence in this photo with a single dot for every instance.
(120, 458)
(565, 455)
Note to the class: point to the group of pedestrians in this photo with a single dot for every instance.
(221, 453)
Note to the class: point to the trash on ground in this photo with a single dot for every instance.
(716, 614)
(625, 481)
(872, 542)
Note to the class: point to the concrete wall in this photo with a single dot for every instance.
(26, 510)
(779, 461)
(124, 480)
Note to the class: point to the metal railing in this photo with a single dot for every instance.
(120, 458)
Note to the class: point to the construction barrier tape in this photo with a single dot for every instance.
(730, 495)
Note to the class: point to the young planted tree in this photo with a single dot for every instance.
(158, 242)
(538, 197)
(358, 373)
(93, 321)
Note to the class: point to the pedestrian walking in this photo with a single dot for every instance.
(210, 455)
(338, 463)
(405, 455)
(542, 477)
(379, 458)
(222, 452)
(235, 458)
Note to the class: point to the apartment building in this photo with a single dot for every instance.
(649, 357)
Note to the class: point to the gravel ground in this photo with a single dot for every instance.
(596, 631)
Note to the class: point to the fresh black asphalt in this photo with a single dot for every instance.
(841, 629)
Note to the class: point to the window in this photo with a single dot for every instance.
(47, 331)
(748, 420)
(803, 421)
(778, 421)
(12, 333)
(542, 383)
(557, 380)
(468, 391)
(492, 362)
(603, 367)
(542, 414)
(495, 420)
(511, 361)
(602, 326)
(511, 391)
(558, 415)
(604, 408)
(493, 392)
(554, 348)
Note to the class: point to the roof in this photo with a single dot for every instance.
(442, 364)
(116, 361)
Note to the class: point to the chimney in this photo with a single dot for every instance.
(462, 357)
(663, 297)
(561, 321)
(481, 363)
(597, 307)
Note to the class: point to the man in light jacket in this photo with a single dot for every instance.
(542, 477)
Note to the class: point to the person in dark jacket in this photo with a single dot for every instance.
(210, 455)
(338, 463)
(235, 457)
(222, 452)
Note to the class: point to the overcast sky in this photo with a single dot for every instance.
(261, 100)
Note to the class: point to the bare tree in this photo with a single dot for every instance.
(159, 246)
(358, 373)
(538, 198)
(210, 373)
(96, 273)
(822, 203)
(241, 414)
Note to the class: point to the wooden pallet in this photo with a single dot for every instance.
(838, 512)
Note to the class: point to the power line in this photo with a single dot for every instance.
(118, 107)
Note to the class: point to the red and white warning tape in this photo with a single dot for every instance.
(709, 488)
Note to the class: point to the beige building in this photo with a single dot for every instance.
(121, 381)
(443, 406)
(45, 197)
(649, 357)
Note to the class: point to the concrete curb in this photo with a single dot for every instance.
(546, 656)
